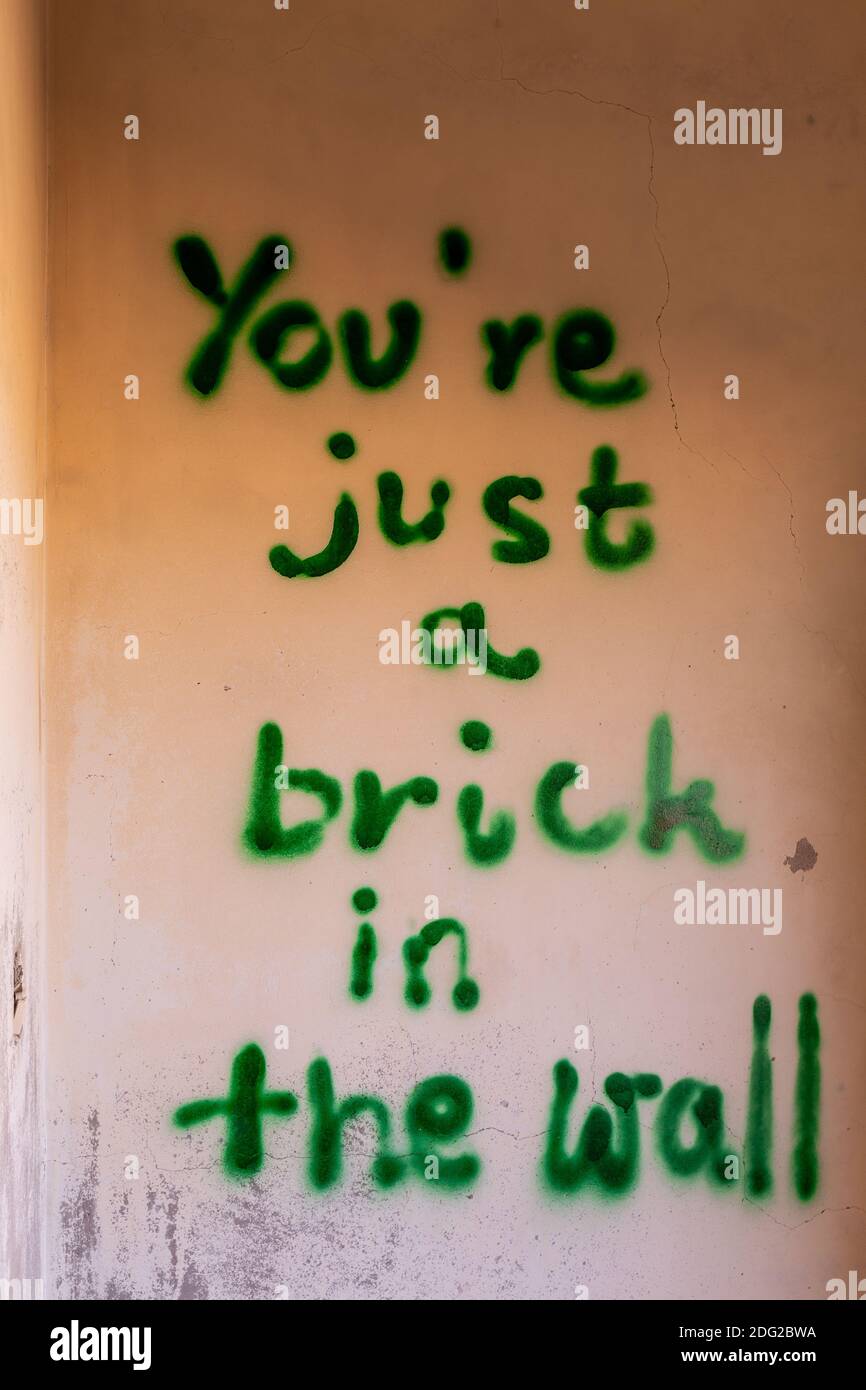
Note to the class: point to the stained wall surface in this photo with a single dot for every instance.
(22, 494)
(555, 130)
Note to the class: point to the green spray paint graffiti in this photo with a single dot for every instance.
(365, 949)
(759, 1124)
(805, 1165)
(605, 1157)
(297, 350)
(416, 953)
(581, 341)
(376, 810)
(522, 666)
(243, 1109)
(611, 1166)
(604, 494)
(438, 1113)
(528, 541)
(455, 250)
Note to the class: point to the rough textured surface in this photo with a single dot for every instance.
(22, 414)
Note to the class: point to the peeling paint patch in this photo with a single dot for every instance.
(192, 1286)
(803, 859)
(79, 1221)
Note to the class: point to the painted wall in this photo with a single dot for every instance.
(22, 473)
(556, 128)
